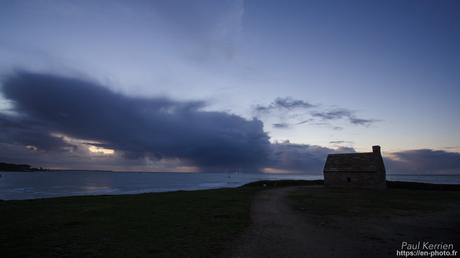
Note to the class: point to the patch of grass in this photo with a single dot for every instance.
(175, 224)
(323, 201)
(283, 183)
(422, 186)
(378, 221)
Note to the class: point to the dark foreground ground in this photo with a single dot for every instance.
(264, 219)
(363, 223)
(176, 224)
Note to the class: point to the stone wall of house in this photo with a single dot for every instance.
(374, 180)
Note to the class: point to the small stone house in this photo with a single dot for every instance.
(358, 170)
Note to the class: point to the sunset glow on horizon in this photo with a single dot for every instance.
(101, 150)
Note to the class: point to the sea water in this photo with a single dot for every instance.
(31, 185)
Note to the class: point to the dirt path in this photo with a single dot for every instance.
(278, 231)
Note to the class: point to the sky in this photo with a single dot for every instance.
(268, 86)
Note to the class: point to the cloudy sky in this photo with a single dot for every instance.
(229, 85)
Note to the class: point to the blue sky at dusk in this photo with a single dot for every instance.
(222, 85)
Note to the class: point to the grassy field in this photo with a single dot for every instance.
(203, 223)
(379, 221)
(176, 224)
(323, 202)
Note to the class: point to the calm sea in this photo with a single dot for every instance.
(31, 185)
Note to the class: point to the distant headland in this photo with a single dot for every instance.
(8, 167)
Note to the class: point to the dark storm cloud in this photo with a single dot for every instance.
(45, 107)
(343, 114)
(283, 104)
(139, 127)
(301, 157)
(424, 161)
(28, 132)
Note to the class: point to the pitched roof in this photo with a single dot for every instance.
(353, 162)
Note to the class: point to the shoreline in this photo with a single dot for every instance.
(269, 183)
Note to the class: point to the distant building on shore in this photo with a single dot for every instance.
(359, 170)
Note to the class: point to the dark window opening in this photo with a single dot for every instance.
(348, 179)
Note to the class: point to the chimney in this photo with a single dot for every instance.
(376, 149)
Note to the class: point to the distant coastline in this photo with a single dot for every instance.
(9, 167)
